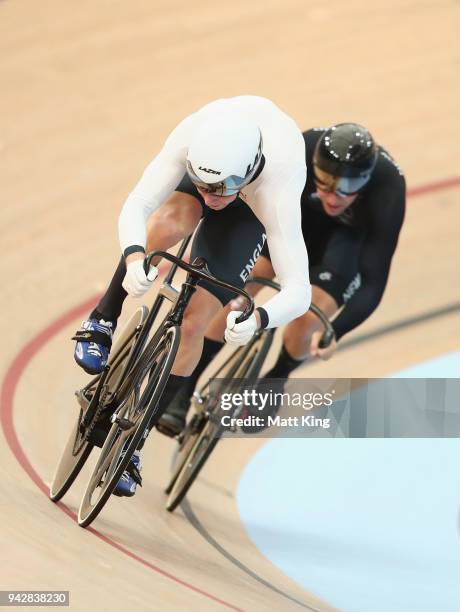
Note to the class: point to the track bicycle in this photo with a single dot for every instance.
(118, 406)
(205, 428)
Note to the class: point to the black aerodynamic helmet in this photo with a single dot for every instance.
(348, 153)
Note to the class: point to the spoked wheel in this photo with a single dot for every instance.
(78, 447)
(137, 412)
(198, 446)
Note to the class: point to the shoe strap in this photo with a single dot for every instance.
(134, 473)
(92, 335)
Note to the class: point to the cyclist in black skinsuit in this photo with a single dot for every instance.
(353, 208)
(350, 236)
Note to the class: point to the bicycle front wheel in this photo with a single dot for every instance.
(138, 411)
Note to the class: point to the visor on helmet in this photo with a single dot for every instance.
(341, 185)
(227, 187)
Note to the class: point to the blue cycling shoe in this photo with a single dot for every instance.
(94, 341)
(131, 477)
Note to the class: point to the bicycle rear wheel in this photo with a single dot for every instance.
(138, 411)
(199, 447)
(78, 446)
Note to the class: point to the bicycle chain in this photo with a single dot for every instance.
(101, 405)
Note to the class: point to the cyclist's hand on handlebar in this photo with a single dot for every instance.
(322, 353)
(136, 282)
(239, 334)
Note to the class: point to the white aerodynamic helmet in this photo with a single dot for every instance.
(224, 154)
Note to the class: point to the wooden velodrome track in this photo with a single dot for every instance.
(88, 92)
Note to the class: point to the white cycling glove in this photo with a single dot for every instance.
(136, 282)
(239, 334)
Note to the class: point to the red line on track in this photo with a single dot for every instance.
(9, 386)
(32, 348)
(435, 186)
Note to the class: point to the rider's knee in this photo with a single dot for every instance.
(193, 327)
(164, 228)
(306, 324)
(301, 330)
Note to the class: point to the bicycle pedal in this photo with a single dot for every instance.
(197, 401)
(123, 424)
(198, 397)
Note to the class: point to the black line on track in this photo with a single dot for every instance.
(194, 521)
(377, 333)
(211, 485)
(398, 325)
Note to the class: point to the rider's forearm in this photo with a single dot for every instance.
(291, 302)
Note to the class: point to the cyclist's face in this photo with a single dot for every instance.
(214, 201)
(334, 204)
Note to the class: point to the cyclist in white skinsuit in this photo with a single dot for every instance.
(243, 146)
(274, 196)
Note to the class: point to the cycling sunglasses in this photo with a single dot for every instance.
(229, 186)
(342, 186)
